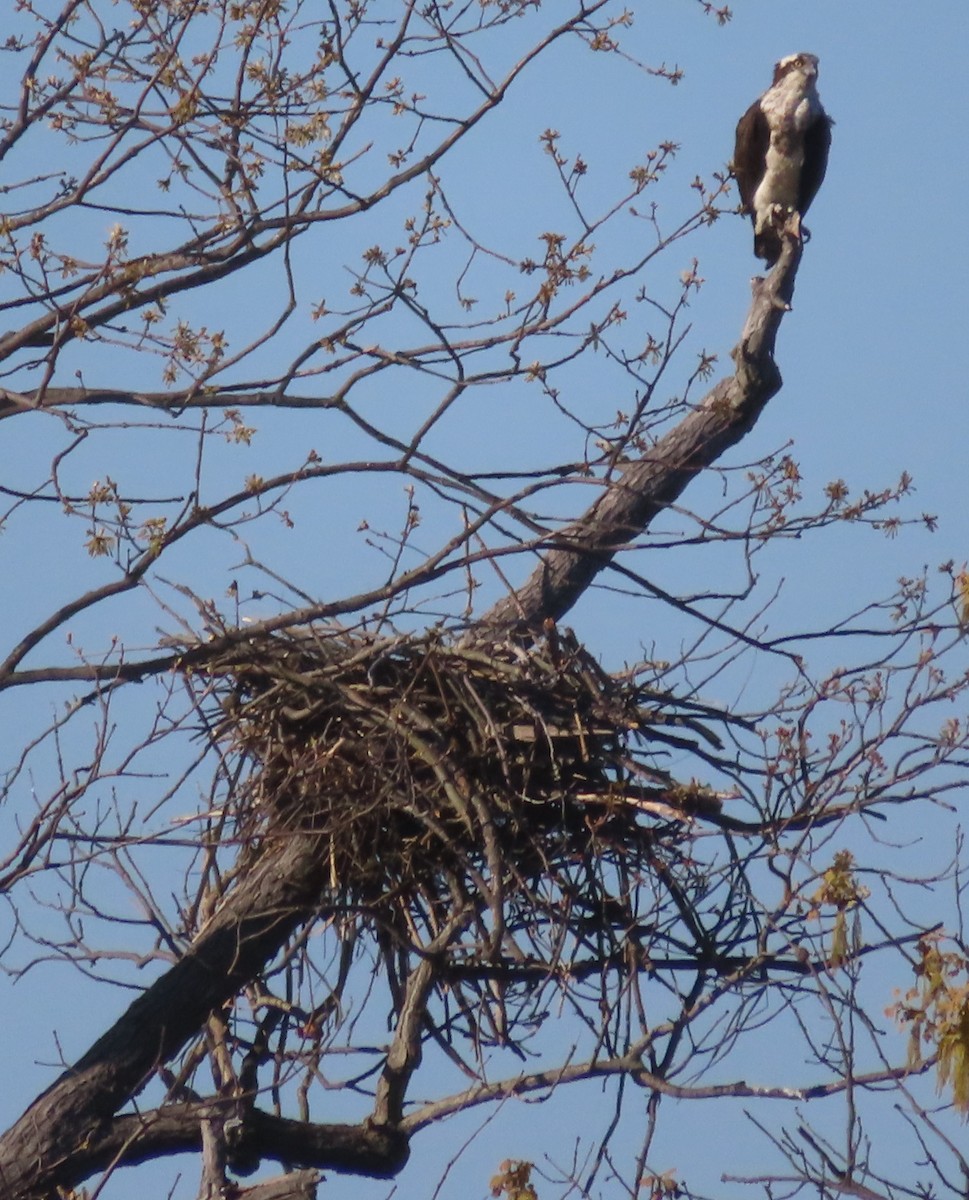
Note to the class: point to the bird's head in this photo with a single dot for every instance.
(805, 65)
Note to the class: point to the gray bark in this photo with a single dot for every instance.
(647, 486)
(72, 1129)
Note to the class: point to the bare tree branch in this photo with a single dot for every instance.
(657, 479)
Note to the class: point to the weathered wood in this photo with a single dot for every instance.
(72, 1128)
(52, 1142)
(576, 555)
(300, 1185)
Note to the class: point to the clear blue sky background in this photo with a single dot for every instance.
(875, 383)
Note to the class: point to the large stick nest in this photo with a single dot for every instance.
(434, 771)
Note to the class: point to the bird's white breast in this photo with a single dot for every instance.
(791, 104)
(790, 107)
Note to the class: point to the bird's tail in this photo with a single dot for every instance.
(767, 245)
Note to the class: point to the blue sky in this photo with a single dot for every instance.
(873, 358)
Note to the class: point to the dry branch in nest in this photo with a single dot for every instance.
(437, 774)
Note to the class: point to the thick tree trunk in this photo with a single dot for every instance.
(53, 1142)
(72, 1129)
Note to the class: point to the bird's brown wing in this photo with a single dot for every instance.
(750, 153)
(817, 143)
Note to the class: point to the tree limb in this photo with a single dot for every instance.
(652, 483)
(364, 1149)
(46, 1146)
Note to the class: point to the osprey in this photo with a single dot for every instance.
(781, 152)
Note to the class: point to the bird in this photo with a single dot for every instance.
(781, 152)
